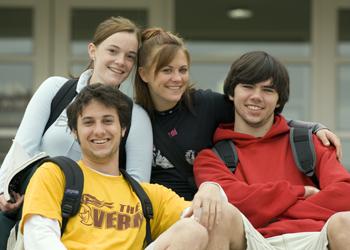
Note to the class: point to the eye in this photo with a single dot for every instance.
(87, 123)
(269, 90)
(108, 121)
(166, 70)
(183, 70)
(247, 86)
(131, 57)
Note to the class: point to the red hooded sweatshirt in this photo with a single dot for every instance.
(268, 188)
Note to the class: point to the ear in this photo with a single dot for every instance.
(143, 74)
(123, 131)
(92, 51)
(231, 98)
(75, 135)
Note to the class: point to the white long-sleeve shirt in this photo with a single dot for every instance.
(58, 139)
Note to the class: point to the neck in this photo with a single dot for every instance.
(164, 106)
(110, 167)
(256, 130)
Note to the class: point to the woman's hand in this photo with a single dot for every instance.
(6, 206)
(310, 191)
(207, 204)
(327, 137)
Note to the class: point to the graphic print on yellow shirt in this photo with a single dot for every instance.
(105, 215)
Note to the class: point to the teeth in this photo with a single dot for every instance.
(174, 87)
(254, 107)
(99, 141)
(118, 71)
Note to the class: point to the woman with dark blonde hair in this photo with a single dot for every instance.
(113, 54)
(183, 119)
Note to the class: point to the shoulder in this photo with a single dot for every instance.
(210, 98)
(159, 191)
(137, 109)
(48, 169)
(205, 94)
(47, 176)
(139, 112)
(51, 84)
(55, 81)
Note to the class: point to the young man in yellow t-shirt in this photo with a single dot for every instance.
(110, 215)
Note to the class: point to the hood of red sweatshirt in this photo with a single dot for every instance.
(225, 131)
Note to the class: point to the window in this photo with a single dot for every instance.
(215, 41)
(343, 82)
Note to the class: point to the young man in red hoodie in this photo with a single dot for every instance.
(281, 207)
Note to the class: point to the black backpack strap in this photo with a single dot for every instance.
(122, 151)
(146, 204)
(226, 151)
(61, 100)
(303, 150)
(73, 189)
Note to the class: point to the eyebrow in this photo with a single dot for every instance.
(131, 51)
(91, 117)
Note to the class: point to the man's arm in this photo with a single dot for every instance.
(259, 202)
(41, 232)
(334, 195)
(42, 206)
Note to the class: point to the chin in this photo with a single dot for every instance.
(115, 81)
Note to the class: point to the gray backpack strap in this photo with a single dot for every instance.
(227, 152)
(303, 150)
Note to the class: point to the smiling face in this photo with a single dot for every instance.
(99, 134)
(113, 58)
(254, 107)
(169, 84)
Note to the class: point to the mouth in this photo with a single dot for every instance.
(254, 107)
(174, 87)
(100, 141)
(116, 70)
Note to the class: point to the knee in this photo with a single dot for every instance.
(185, 232)
(231, 217)
(229, 232)
(189, 228)
(339, 226)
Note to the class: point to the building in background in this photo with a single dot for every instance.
(40, 38)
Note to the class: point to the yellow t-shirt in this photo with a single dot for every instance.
(110, 215)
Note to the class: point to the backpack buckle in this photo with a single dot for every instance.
(69, 204)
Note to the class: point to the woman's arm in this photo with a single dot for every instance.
(139, 145)
(29, 133)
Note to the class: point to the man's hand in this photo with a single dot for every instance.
(207, 205)
(327, 138)
(6, 206)
(310, 190)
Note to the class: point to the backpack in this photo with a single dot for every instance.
(72, 196)
(303, 149)
(63, 98)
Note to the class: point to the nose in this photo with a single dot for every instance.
(99, 128)
(119, 59)
(176, 76)
(256, 94)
